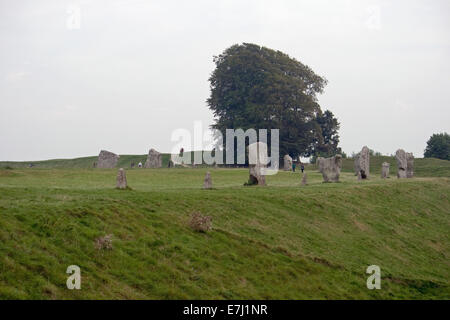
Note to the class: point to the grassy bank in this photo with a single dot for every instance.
(282, 241)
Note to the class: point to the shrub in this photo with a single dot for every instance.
(103, 243)
(200, 222)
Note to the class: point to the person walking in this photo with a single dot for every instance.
(293, 166)
(302, 167)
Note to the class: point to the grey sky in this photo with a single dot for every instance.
(137, 70)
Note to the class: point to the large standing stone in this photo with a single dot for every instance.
(121, 179)
(257, 155)
(409, 165)
(154, 159)
(330, 168)
(362, 163)
(207, 184)
(402, 163)
(287, 163)
(107, 160)
(385, 170)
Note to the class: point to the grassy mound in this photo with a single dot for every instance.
(283, 241)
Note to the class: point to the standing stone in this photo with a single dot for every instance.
(257, 155)
(409, 165)
(362, 163)
(107, 160)
(154, 159)
(121, 179)
(287, 163)
(207, 184)
(330, 168)
(385, 170)
(402, 163)
(304, 179)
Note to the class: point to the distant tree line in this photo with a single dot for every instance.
(438, 146)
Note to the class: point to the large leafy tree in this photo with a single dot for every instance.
(438, 146)
(260, 88)
(327, 140)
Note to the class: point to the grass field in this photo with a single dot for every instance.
(283, 241)
(125, 161)
(423, 167)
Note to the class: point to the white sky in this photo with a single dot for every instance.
(134, 71)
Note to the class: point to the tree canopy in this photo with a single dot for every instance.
(438, 146)
(260, 88)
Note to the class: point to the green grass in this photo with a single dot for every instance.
(423, 167)
(125, 161)
(283, 241)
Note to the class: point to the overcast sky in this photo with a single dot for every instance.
(80, 76)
